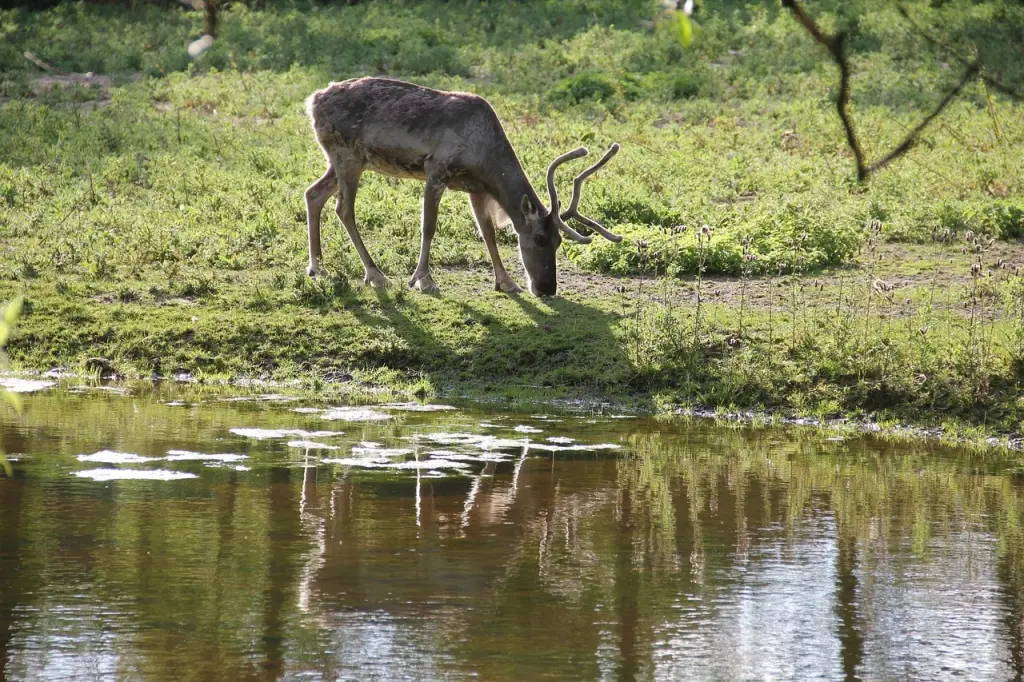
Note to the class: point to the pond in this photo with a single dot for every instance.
(179, 536)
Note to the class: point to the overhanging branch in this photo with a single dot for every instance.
(836, 44)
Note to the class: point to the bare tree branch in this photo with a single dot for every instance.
(835, 44)
(210, 8)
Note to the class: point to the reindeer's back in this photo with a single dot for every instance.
(364, 108)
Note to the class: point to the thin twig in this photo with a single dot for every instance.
(911, 138)
(1001, 87)
(40, 63)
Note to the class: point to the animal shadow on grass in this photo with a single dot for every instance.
(557, 343)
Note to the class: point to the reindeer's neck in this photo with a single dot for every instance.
(509, 185)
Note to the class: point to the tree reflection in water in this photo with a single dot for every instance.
(699, 553)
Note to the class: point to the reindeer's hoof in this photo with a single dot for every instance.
(425, 284)
(376, 279)
(311, 270)
(507, 286)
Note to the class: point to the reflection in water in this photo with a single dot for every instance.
(688, 553)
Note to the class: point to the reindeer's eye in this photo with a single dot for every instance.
(541, 239)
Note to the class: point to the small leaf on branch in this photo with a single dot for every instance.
(685, 27)
(13, 311)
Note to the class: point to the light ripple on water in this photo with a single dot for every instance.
(381, 463)
(265, 434)
(133, 475)
(579, 447)
(187, 456)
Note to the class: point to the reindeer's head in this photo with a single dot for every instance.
(538, 244)
(541, 236)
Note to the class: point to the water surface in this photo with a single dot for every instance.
(193, 537)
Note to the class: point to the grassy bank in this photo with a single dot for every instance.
(156, 220)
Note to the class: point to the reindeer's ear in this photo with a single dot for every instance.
(530, 212)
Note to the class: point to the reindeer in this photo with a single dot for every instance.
(449, 140)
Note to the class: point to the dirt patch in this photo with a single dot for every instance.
(87, 90)
(901, 280)
(43, 84)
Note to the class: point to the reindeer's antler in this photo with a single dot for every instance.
(577, 192)
(553, 192)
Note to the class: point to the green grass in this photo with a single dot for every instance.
(163, 227)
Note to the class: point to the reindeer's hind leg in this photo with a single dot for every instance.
(348, 171)
(316, 196)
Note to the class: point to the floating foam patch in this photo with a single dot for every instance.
(451, 438)
(503, 443)
(187, 456)
(133, 475)
(475, 440)
(443, 454)
(111, 457)
(523, 428)
(429, 464)
(561, 440)
(461, 457)
(266, 398)
(265, 434)
(307, 410)
(380, 452)
(419, 407)
(354, 414)
(12, 385)
(311, 445)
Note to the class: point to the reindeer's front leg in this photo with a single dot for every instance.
(421, 278)
(483, 206)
